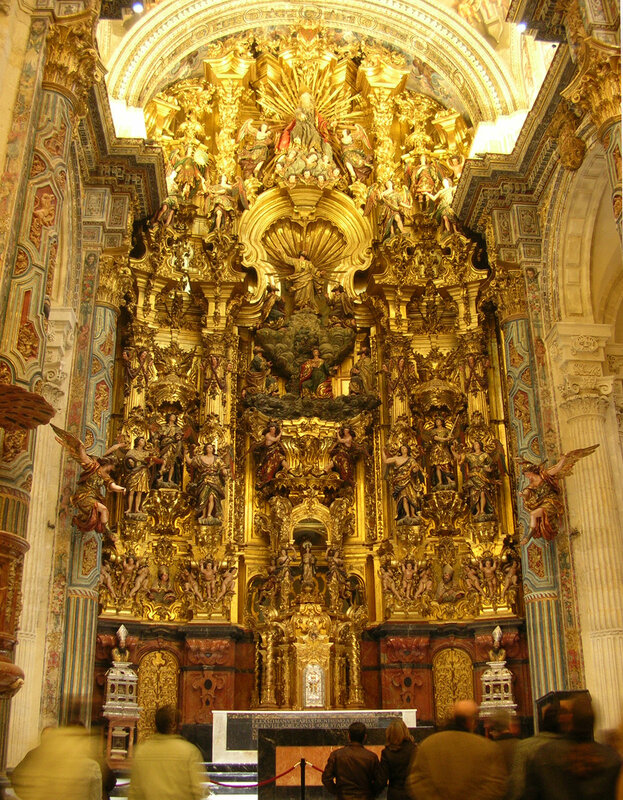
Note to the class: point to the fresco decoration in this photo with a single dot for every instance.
(301, 437)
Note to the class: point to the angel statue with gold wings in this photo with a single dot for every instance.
(92, 514)
(542, 497)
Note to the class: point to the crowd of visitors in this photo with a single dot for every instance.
(561, 762)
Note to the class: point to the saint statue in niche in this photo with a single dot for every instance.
(208, 474)
(305, 283)
(313, 686)
(406, 480)
(271, 455)
(308, 563)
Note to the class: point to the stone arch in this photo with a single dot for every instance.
(143, 63)
(585, 252)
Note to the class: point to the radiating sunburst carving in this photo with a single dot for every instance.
(322, 241)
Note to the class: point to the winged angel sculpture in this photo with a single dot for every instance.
(92, 514)
(542, 498)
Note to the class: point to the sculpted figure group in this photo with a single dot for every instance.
(130, 580)
(409, 582)
(142, 466)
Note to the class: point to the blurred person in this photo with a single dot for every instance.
(352, 772)
(574, 766)
(548, 730)
(502, 729)
(458, 764)
(109, 780)
(62, 765)
(395, 759)
(165, 766)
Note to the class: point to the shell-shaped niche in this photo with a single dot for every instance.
(325, 224)
(321, 240)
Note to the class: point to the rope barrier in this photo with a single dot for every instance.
(313, 766)
(255, 785)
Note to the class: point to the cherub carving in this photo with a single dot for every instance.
(142, 579)
(208, 577)
(471, 579)
(489, 566)
(388, 582)
(425, 580)
(408, 579)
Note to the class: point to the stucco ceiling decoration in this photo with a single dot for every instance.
(147, 58)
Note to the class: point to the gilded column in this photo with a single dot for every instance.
(384, 83)
(82, 591)
(588, 417)
(355, 689)
(540, 570)
(268, 697)
(228, 73)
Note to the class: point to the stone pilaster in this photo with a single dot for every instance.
(71, 66)
(82, 592)
(540, 573)
(29, 269)
(588, 417)
(25, 708)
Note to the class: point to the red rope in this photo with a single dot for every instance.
(313, 766)
(253, 785)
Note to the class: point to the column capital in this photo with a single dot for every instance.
(114, 277)
(72, 61)
(596, 88)
(562, 128)
(585, 397)
(515, 232)
(507, 288)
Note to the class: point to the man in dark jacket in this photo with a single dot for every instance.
(352, 772)
(573, 767)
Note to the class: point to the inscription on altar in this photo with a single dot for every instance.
(243, 727)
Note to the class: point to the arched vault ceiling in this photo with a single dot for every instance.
(147, 57)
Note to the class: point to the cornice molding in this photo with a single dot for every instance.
(521, 175)
(129, 163)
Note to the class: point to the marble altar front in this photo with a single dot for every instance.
(235, 733)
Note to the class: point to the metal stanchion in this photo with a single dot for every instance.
(302, 779)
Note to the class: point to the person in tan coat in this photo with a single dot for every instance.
(456, 764)
(165, 766)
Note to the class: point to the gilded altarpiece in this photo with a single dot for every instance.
(309, 415)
